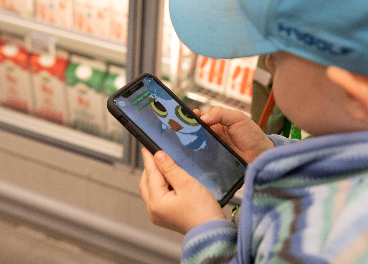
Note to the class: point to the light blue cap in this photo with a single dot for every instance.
(331, 32)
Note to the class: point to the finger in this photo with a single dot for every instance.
(174, 175)
(155, 180)
(221, 131)
(143, 187)
(197, 112)
(223, 116)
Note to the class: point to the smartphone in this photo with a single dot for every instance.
(153, 114)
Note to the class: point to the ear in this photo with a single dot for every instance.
(356, 89)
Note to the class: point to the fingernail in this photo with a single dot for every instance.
(205, 117)
(160, 156)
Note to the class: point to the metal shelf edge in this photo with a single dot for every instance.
(60, 134)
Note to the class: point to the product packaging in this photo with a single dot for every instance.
(115, 80)
(119, 21)
(23, 7)
(87, 108)
(15, 89)
(212, 74)
(55, 12)
(93, 17)
(48, 83)
(240, 79)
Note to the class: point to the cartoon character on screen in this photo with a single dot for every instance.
(175, 117)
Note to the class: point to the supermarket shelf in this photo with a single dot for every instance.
(214, 101)
(98, 48)
(58, 135)
(71, 40)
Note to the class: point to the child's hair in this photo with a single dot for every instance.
(328, 32)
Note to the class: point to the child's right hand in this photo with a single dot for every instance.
(238, 131)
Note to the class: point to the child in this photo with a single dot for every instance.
(303, 202)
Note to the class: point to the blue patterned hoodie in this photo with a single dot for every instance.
(303, 202)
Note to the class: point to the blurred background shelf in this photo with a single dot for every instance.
(73, 41)
(39, 129)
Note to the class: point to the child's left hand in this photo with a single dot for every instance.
(187, 204)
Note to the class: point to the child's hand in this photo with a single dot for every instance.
(183, 206)
(238, 131)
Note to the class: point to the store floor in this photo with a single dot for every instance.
(23, 245)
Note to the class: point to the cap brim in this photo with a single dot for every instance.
(217, 29)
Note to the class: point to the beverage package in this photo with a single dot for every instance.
(55, 12)
(23, 7)
(119, 21)
(212, 74)
(114, 80)
(48, 83)
(240, 79)
(93, 17)
(15, 89)
(87, 108)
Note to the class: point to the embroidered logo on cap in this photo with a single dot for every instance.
(314, 41)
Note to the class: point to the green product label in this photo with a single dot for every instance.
(80, 73)
(112, 83)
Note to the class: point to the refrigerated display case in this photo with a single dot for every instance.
(53, 158)
(87, 162)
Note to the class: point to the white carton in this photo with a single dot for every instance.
(16, 91)
(87, 108)
(115, 79)
(23, 7)
(55, 12)
(119, 21)
(212, 74)
(48, 83)
(93, 17)
(240, 79)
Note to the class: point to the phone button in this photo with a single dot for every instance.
(124, 120)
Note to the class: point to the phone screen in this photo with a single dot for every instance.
(176, 132)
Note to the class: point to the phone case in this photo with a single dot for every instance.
(148, 143)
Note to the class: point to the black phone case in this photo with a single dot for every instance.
(148, 143)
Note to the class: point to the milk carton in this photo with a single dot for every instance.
(115, 79)
(119, 21)
(15, 89)
(240, 79)
(93, 17)
(212, 74)
(48, 83)
(23, 7)
(87, 108)
(55, 12)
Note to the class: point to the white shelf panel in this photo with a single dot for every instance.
(71, 40)
(60, 134)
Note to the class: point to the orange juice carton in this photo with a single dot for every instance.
(240, 79)
(212, 74)
(93, 17)
(55, 12)
(16, 91)
(119, 21)
(48, 83)
(114, 80)
(23, 7)
(87, 108)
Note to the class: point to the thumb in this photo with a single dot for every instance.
(174, 175)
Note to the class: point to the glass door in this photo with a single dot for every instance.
(59, 62)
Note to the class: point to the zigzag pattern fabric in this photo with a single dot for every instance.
(302, 203)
